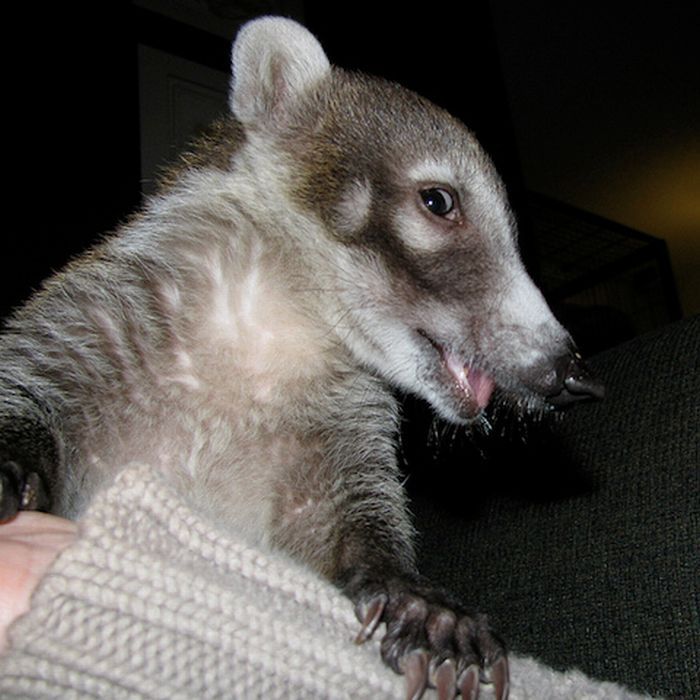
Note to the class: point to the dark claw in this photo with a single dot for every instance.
(10, 496)
(33, 493)
(469, 684)
(500, 678)
(430, 639)
(415, 668)
(371, 618)
(446, 680)
(20, 490)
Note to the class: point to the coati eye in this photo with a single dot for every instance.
(438, 201)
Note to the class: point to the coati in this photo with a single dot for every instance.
(333, 238)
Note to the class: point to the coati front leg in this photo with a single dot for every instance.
(429, 636)
(28, 452)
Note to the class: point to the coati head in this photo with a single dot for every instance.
(419, 256)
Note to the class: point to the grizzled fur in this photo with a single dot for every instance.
(243, 332)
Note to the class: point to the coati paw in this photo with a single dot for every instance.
(19, 490)
(432, 641)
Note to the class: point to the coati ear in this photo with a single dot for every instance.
(274, 61)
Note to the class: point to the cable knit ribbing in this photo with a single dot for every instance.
(153, 602)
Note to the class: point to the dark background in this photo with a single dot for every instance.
(561, 97)
(605, 100)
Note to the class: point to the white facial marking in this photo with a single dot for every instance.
(417, 232)
(524, 301)
(354, 206)
(434, 172)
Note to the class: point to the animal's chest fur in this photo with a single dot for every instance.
(231, 402)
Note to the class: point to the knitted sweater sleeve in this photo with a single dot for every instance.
(153, 602)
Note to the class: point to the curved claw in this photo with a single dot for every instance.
(33, 493)
(20, 490)
(371, 618)
(469, 683)
(430, 639)
(500, 678)
(446, 680)
(415, 668)
(10, 492)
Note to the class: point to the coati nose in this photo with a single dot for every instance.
(574, 382)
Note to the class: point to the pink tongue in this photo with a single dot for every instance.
(477, 384)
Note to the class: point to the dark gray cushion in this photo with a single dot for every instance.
(584, 548)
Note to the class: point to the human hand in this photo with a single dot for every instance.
(29, 543)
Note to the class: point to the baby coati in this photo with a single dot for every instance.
(333, 238)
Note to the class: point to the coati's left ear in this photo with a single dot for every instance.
(274, 61)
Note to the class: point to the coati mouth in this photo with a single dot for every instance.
(475, 387)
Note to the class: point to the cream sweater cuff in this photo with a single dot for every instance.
(154, 602)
